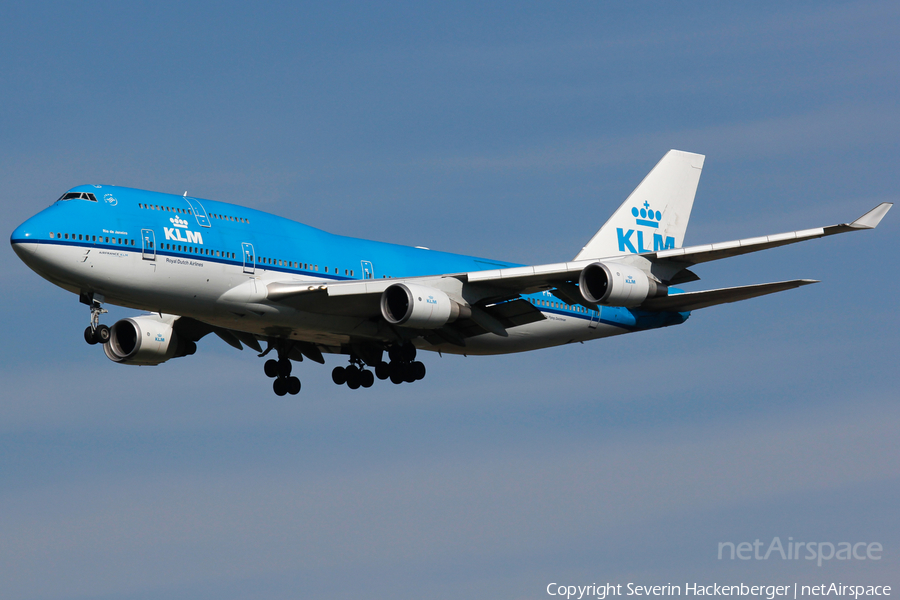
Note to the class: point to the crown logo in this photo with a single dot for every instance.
(647, 216)
(178, 222)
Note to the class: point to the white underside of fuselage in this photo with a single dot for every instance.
(225, 296)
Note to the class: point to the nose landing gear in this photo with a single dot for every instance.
(95, 333)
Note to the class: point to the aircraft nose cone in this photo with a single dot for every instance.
(21, 239)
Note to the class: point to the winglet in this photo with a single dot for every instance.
(871, 219)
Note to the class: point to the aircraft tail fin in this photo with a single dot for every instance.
(655, 215)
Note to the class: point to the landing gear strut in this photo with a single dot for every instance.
(280, 370)
(95, 333)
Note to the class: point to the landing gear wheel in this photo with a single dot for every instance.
(280, 386)
(353, 377)
(396, 376)
(382, 370)
(339, 375)
(394, 353)
(418, 370)
(284, 367)
(271, 368)
(408, 352)
(409, 373)
(89, 336)
(101, 334)
(366, 379)
(293, 386)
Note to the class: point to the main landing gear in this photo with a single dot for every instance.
(280, 370)
(95, 333)
(355, 376)
(402, 368)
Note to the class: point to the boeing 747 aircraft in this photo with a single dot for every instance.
(255, 279)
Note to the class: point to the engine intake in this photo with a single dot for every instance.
(146, 340)
(412, 305)
(613, 284)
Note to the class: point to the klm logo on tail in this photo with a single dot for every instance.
(645, 217)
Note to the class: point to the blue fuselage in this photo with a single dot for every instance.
(181, 255)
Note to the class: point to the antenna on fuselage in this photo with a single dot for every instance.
(185, 194)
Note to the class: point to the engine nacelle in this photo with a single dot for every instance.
(412, 305)
(614, 284)
(146, 340)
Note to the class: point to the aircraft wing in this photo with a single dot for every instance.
(683, 257)
(668, 265)
(489, 289)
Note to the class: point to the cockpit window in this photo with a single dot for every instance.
(78, 196)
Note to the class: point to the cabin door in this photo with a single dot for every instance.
(368, 272)
(249, 258)
(148, 244)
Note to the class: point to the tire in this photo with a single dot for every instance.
(408, 352)
(396, 377)
(89, 336)
(293, 386)
(409, 373)
(382, 370)
(354, 377)
(101, 334)
(395, 353)
(271, 368)
(285, 367)
(418, 370)
(280, 386)
(339, 375)
(367, 379)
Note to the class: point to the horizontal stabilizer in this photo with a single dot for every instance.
(695, 300)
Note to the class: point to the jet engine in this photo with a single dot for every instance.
(146, 340)
(412, 305)
(613, 284)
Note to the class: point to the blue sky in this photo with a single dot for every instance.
(511, 131)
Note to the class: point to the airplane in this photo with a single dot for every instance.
(252, 278)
